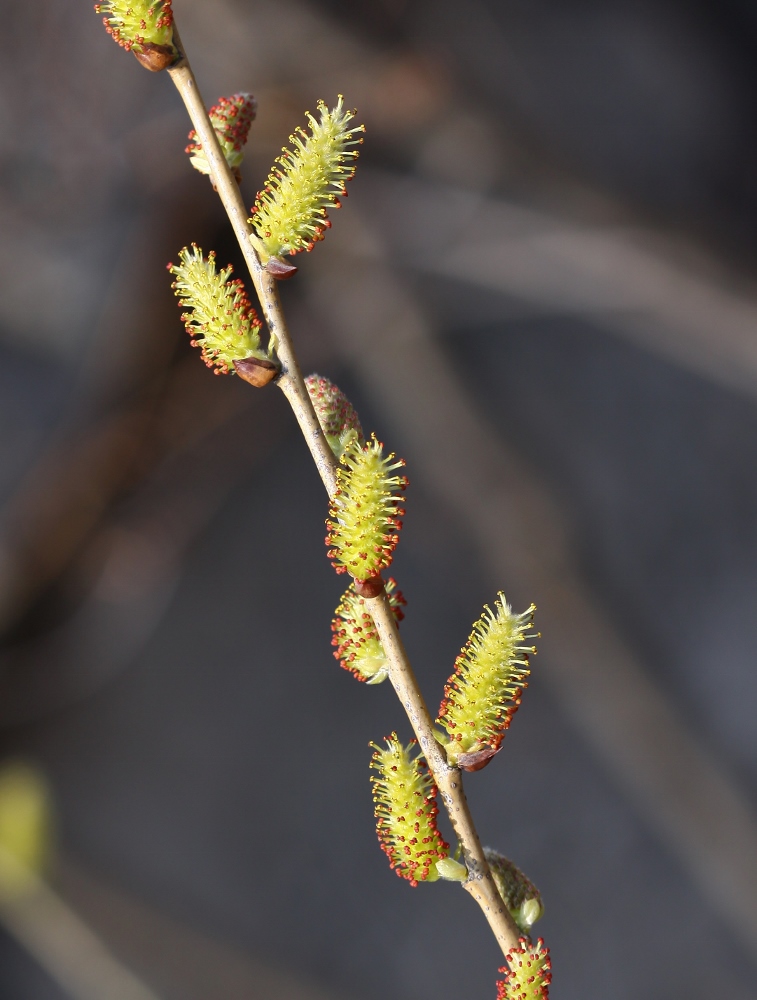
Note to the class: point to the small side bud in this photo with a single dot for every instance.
(530, 911)
(405, 807)
(231, 118)
(484, 692)
(451, 870)
(527, 973)
(519, 894)
(219, 317)
(365, 513)
(358, 647)
(335, 413)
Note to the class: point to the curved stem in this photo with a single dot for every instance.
(448, 779)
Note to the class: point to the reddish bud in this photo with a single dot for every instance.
(280, 269)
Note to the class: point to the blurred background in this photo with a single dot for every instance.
(541, 292)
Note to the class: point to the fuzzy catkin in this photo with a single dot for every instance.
(218, 317)
(231, 118)
(290, 214)
(484, 692)
(519, 894)
(134, 23)
(358, 647)
(365, 513)
(404, 797)
(528, 972)
(336, 414)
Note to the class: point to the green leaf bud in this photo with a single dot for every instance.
(451, 870)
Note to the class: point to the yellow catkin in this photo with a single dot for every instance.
(404, 797)
(290, 214)
(365, 516)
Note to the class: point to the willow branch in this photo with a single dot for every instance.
(290, 381)
(448, 779)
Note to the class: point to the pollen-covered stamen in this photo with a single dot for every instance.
(219, 317)
(335, 413)
(365, 513)
(491, 672)
(290, 214)
(405, 807)
(135, 23)
(520, 895)
(358, 647)
(231, 118)
(528, 972)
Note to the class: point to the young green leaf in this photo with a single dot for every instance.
(358, 647)
(290, 214)
(335, 413)
(484, 692)
(527, 973)
(405, 807)
(231, 118)
(519, 893)
(365, 513)
(219, 317)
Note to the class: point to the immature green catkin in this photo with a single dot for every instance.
(219, 317)
(134, 23)
(290, 214)
(405, 807)
(358, 647)
(231, 118)
(335, 413)
(484, 692)
(527, 973)
(365, 513)
(520, 895)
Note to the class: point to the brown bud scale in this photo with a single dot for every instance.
(371, 587)
(256, 371)
(156, 57)
(280, 269)
(477, 760)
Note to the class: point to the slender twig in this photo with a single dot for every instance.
(448, 779)
(290, 381)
